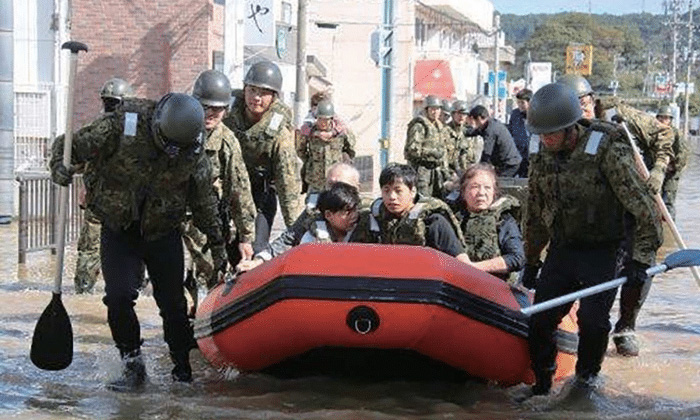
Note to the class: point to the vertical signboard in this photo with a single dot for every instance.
(579, 59)
(259, 23)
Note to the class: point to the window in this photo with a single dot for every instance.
(287, 13)
(420, 32)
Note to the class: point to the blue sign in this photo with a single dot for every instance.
(502, 87)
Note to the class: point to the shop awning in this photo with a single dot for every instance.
(433, 77)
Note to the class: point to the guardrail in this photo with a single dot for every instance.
(38, 212)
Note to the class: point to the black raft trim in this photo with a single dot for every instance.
(367, 289)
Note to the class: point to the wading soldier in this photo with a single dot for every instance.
(426, 149)
(582, 181)
(149, 167)
(262, 124)
(87, 266)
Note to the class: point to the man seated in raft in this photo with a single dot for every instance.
(334, 222)
(402, 216)
(491, 233)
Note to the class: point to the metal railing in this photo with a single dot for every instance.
(38, 211)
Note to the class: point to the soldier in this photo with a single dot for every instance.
(403, 217)
(517, 129)
(263, 125)
(582, 181)
(499, 148)
(681, 152)
(463, 150)
(230, 179)
(322, 144)
(655, 142)
(149, 166)
(583, 90)
(425, 148)
(87, 266)
(447, 107)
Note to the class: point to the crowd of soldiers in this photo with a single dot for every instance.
(209, 169)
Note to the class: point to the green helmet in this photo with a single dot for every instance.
(325, 109)
(212, 88)
(447, 105)
(553, 107)
(116, 88)
(665, 111)
(432, 101)
(264, 74)
(460, 106)
(578, 83)
(179, 118)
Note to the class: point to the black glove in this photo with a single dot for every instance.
(62, 175)
(636, 273)
(218, 255)
(530, 274)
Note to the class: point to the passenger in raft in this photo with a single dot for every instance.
(334, 222)
(402, 216)
(491, 233)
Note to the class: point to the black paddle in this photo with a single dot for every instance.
(682, 258)
(52, 344)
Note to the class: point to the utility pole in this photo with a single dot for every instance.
(496, 24)
(675, 4)
(386, 63)
(300, 97)
(689, 63)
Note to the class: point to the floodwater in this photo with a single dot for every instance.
(662, 383)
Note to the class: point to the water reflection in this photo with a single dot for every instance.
(662, 383)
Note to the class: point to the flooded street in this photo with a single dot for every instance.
(662, 383)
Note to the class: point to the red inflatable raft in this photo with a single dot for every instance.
(378, 298)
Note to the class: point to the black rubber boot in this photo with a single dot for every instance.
(543, 383)
(182, 372)
(626, 343)
(133, 374)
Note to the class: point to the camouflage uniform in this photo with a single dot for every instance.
(319, 150)
(378, 225)
(681, 152)
(140, 194)
(467, 150)
(87, 266)
(270, 157)
(426, 151)
(230, 179)
(576, 204)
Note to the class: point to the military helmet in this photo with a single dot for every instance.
(264, 74)
(460, 106)
(665, 111)
(325, 109)
(179, 118)
(553, 107)
(432, 101)
(212, 88)
(116, 88)
(578, 83)
(447, 105)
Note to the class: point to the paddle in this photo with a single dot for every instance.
(682, 258)
(52, 344)
(644, 173)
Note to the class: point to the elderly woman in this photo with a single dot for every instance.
(491, 233)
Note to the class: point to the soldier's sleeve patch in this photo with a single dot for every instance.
(594, 142)
(275, 121)
(131, 120)
(534, 146)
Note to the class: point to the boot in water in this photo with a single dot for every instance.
(133, 375)
(626, 343)
(182, 372)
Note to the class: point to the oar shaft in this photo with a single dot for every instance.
(552, 303)
(644, 172)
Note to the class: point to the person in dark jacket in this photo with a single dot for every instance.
(517, 129)
(491, 233)
(499, 147)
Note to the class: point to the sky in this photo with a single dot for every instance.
(615, 7)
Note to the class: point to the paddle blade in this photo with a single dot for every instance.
(52, 344)
(683, 258)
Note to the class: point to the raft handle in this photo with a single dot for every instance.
(362, 320)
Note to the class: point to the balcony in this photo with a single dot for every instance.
(478, 12)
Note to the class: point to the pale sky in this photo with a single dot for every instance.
(615, 7)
